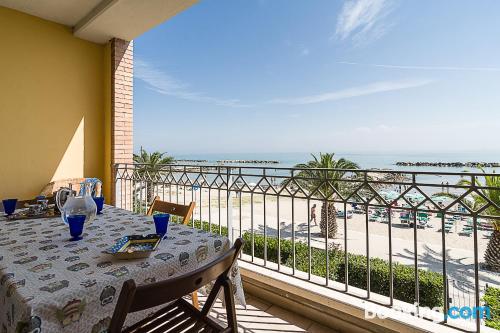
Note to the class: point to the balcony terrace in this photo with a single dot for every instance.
(380, 240)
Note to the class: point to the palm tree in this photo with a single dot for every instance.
(492, 254)
(149, 168)
(315, 173)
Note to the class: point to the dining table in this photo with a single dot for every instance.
(51, 284)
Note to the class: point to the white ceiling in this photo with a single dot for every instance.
(67, 12)
(101, 20)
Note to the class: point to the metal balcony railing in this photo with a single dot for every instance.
(387, 221)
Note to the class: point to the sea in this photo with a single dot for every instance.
(382, 161)
(364, 160)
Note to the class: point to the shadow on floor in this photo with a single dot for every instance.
(262, 317)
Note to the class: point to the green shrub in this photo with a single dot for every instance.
(492, 299)
(212, 227)
(430, 283)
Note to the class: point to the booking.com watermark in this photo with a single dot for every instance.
(435, 314)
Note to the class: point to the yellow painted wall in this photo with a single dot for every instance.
(107, 123)
(53, 105)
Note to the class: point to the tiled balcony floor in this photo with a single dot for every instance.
(262, 317)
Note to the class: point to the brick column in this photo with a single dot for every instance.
(122, 67)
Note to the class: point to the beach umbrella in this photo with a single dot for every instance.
(440, 198)
(389, 195)
(414, 196)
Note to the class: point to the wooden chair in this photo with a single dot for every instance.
(180, 315)
(183, 211)
(49, 189)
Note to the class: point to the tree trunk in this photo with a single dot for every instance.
(492, 254)
(332, 220)
(150, 193)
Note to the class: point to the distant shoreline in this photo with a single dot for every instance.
(399, 163)
(192, 161)
(451, 164)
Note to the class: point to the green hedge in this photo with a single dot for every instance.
(492, 299)
(214, 228)
(430, 287)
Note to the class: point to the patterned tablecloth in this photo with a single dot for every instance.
(50, 284)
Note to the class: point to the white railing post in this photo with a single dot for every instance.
(230, 231)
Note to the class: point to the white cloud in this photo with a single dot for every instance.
(165, 84)
(368, 89)
(384, 128)
(363, 129)
(372, 129)
(363, 20)
(438, 68)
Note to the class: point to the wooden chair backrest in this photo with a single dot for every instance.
(184, 211)
(54, 186)
(135, 298)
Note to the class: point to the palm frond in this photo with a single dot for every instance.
(151, 162)
(324, 172)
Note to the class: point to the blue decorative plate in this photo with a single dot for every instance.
(135, 246)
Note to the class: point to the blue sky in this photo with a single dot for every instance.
(303, 76)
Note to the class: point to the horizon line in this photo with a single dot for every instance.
(439, 68)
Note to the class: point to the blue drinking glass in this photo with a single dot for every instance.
(99, 202)
(76, 226)
(9, 206)
(161, 223)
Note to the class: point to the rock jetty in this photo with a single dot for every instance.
(229, 161)
(249, 161)
(451, 164)
(193, 161)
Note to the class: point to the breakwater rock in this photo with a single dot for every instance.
(229, 161)
(451, 164)
(249, 161)
(193, 161)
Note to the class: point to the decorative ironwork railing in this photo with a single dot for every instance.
(436, 225)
